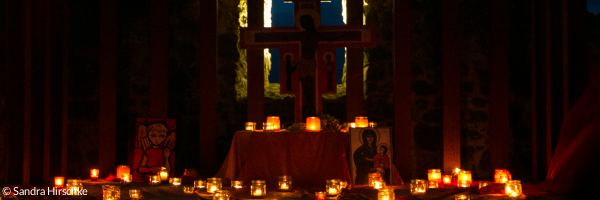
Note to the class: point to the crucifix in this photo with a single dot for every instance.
(307, 53)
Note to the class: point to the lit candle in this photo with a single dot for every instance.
(59, 181)
(377, 184)
(164, 174)
(332, 191)
(258, 188)
(332, 187)
(267, 126)
(274, 121)
(352, 125)
(175, 181)
(483, 184)
(434, 175)
(122, 169)
(258, 192)
(154, 180)
(250, 126)
(386, 194)
(513, 189)
(447, 179)
(502, 176)
(320, 195)
(237, 184)
(212, 189)
(188, 189)
(94, 174)
(461, 197)
(372, 124)
(135, 194)
(284, 186)
(313, 124)
(418, 186)
(126, 178)
(361, 121)
(200, 184)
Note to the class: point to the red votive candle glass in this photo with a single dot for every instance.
(94, 174)
(59, 181)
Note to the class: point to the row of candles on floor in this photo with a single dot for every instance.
(313, 124)
(464, 179)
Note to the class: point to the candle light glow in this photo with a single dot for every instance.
(313, 124)
(361, 121)
(94, 174)
(59, 181)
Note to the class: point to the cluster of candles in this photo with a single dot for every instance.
(313, 124)
(73, 186)
(272, 124)
(362, 122)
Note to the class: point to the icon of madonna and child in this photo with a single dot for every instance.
(154, 148)
(371, 157)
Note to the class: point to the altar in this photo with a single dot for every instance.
(310, 158)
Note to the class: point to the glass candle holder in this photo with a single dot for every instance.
(374, 177)
(386, 194)
(122, 169)
(343, 184)
(434, 175)
(250, 126)
(213, 184)
(222, 195)
(372, 124)
(418, 186)
(513, 189)
(464, 179)
(267, 126)
(237, 184)
(447, 179)
(125, 178)
(94, 174)
(462, 197)
(285, 183)
(332, 187)
(111, 192)
(154, 180)
(59, 181)
(274, 120)
(188, 189)
(432, 184)
(199, 184)
(320, 195)
(174, 181)
(483, 184)
(135, 194)
(258, 188)
(74, 186)
(378, 184)
(502, 176)
(313, 124)
(361, 121)
(455, 173)
(164, 174)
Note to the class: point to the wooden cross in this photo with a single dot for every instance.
(290, 40)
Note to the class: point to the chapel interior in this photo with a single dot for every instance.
(469, 84)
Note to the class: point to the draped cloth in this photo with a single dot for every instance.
(575, 160)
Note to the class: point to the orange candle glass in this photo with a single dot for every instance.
(59, 181)
(502, 176)
(361, 121)
(434, 175)
(250, 126)
(320, 195)
(313, 124)
(94, 174)
(464, 179)
(447, 179)
(122, 169)
(274, 121)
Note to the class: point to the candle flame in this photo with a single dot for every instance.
(435, 176)
(385, 198)
(457, 170)
(258, 192)
(514, 194)
(504, 179)
(58, 182)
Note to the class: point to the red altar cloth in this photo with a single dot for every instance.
(310, 158)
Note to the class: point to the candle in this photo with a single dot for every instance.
(213, 184)
(513, 189)
(164, 174)
(502, 176)
(188, 189)
(274, 121)
(154, 180)
(361, 121)
(59, 181)
(483, 184)
(237, 184)
(175, 181)
(113, 192)
(320, 195)
(200, 184)
(432, 184)
(434, 175)
(135, 194)
(447, 179)
(74, 186)
(461, 197)
(343, 184)
(373, 177)
(258, 188)
(267, 126)
(418, 186)
(464, 179)
(285, 182)
(94, 174)
(313, 124)
(378, 184)
(386, 194)
(250, 126)
(122, 169)
(125, 178)
(332, 187)
(372, 124)
(221, 195)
